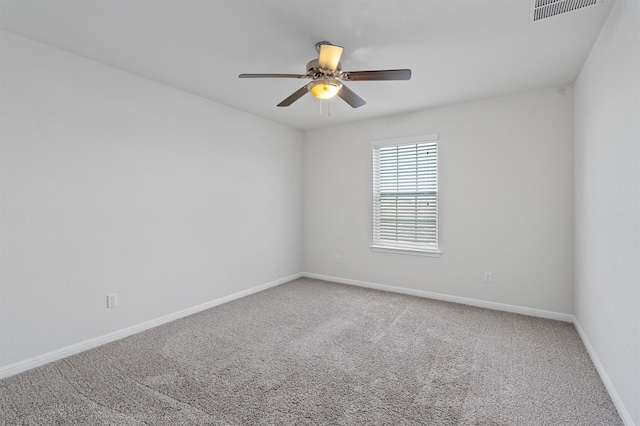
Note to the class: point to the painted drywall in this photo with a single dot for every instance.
(607, 202)
(111, 183)
(505, 201)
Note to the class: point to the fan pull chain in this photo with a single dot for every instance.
(328, 101)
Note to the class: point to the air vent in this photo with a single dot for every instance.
(541, 9)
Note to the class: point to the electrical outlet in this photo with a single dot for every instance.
(338, 258)
(112, 300)
(488, 277)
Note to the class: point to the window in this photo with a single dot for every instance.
(405, 195)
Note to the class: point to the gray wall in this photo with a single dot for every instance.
(607, 203)
(505, 201)
(111, 183)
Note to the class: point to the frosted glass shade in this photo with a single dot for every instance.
(325, 89)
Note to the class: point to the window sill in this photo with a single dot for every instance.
(410, 251)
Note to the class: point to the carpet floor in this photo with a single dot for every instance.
(313, 352)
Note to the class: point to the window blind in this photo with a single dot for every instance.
(405, 193)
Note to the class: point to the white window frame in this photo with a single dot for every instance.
(392, 246)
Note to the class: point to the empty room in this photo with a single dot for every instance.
(243, 212)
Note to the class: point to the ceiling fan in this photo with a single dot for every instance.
(327, 76)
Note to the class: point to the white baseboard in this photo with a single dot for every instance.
(449, 298)
(57, 354)
(622, 410)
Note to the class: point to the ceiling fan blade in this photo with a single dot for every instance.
(377, 75)
(329, 57)
(294, 96)
(350, 97)
(272, 76)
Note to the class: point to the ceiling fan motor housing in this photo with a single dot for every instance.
(314, 71)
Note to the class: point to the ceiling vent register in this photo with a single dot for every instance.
(541, 9)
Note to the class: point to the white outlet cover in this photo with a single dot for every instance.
(112, 300)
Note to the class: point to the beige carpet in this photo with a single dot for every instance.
(312, 352)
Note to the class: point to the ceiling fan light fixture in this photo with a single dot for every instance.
(325, 88)
(326, 76)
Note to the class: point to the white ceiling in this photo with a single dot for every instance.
(458, 50)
